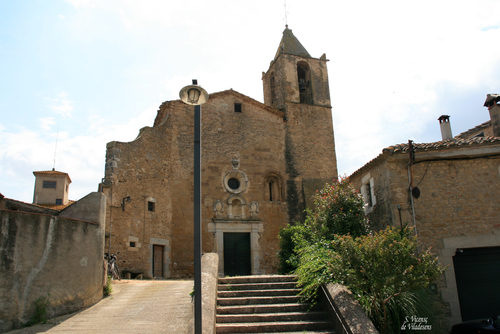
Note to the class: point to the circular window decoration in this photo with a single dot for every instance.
(233, 183)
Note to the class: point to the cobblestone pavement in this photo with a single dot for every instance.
(135, 306)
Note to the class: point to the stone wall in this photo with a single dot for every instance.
(43, 255)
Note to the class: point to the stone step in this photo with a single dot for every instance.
(257, 300)
(257, 279)
(258, 293)
(271, 317)
(251, 309)
(273, 327)
(266, 304)
(256, 286)
(302, 332)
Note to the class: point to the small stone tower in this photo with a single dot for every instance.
(297, 84)
(51, 188)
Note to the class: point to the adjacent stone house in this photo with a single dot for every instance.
(261, 162)
(450, 192)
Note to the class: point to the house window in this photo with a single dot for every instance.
(58, 201)
(151, 206)
(368, 192)
(237, 107)
(49, 184)
(132, 244)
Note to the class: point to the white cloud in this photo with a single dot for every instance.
(84, 3)
(62, 106)
(82, 156)
(46, 123)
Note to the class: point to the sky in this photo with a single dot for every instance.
(77, 74)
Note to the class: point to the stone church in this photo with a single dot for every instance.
(261, 164)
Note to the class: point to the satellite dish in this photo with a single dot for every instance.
(415, 192)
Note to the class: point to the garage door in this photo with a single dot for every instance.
(477, 272)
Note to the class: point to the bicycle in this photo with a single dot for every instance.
(113, 269)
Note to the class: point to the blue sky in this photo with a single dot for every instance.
(88, 71)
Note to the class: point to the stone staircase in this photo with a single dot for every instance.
(266, 304)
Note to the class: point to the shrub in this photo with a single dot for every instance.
(383, 271)
(108, 288)
(289, 238)
(338, 210)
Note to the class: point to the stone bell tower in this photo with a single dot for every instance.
(297, 84)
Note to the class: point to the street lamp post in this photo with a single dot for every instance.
(195, 95)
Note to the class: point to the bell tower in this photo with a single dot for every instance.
(297, 84)
(294, 76)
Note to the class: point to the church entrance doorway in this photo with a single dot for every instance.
(237, 259)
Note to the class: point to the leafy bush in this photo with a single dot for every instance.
(338, 210)
(289, 238)
(383, 271)
(108, 288)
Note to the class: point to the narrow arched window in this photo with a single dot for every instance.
(273, 190)
(273, 89)
(304, 80)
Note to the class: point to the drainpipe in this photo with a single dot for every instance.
(410, 180)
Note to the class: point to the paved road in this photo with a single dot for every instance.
(134, 307)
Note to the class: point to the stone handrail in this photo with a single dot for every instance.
(344, 311)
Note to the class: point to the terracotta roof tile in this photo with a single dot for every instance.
(472, 131)
(444, 144)
(439, 145)
(51, 172)
(55, 206)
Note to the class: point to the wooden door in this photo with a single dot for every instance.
(158, 260)
(477, 273)
(237, 259)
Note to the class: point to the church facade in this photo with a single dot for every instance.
(261, 164)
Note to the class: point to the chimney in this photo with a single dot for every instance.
(492, 104)
(444, 122)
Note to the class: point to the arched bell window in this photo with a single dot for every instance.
(304, 79)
